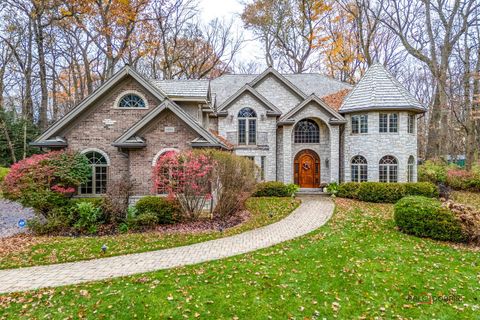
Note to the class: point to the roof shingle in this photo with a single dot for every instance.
(378, 89)
(183, 88)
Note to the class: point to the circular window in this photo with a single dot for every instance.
(131, 100)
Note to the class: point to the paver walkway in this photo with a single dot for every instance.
(311, 214)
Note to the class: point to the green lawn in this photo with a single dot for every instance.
(29, 251)
(358, 266)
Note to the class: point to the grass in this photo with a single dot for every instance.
(465, 197)
(30, 251)
(357, 266)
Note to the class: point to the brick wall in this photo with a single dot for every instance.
(141, 160)
(89, 131)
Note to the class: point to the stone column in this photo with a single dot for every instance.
(287, 154)
(334, 154)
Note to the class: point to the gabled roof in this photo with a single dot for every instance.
(186, 89)
(249, 89)
(226, 85)
(335, 119)
(54, 129)
(379, 90)
(131, 140)
(281, 78)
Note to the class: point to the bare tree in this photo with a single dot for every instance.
(429, 30)
(287, 29)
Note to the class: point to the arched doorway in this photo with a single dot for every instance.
(307, 169)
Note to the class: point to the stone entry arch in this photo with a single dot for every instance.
(306, 169)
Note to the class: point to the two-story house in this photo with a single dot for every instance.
(307, 129)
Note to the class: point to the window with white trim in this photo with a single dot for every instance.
(411, 123)
(360, 123)
(410, 169)
(247, 126)
(132, 101)
(388, 169)
(359, 169)
(388, 122)
(97, 183)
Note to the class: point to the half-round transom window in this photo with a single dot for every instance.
(131, 100)
(388, 169)
(247, 113)
(307, 131)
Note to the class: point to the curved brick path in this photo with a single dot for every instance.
(311, 214)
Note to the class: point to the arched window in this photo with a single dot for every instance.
(410, 169)
(359, 171)
(388, 169)
(306, 131)
(97, 183)
(247, 126)
(131, 100)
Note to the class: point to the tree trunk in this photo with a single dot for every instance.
(39, 38)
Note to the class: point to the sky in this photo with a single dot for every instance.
(228, 9)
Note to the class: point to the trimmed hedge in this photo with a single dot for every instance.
(274, 189)
(167, 211)
(425, 217)
(385, 192)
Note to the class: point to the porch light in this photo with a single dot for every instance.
(327, 163)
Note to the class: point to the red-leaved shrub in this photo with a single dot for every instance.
(46, 181)
(187, 176)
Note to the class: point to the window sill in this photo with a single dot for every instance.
(89, 195)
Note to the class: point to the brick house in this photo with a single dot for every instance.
(306, 129)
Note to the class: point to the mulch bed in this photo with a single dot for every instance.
(205, 224)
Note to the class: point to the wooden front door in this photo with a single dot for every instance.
(307, 169)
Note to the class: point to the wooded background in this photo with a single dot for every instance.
(55, 53)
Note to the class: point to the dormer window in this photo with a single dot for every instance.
(132, 101)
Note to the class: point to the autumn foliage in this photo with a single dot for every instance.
(194, 178)
(187, 177)
(44, 181)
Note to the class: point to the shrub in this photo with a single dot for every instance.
(425, 189)
(425, 217)
(166, 210)
(469, 219)
(234, 179)
(381, 192)
(463, 180)
(58, 221)
(115, 202)
(432, 171)
(348, 190)
(188, 177)
(46, 181)
(86, 217)
(333, 188)
(137, 220)
(274, 189)
(385, 192)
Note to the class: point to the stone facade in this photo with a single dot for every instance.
(279, 107)
(375, 145)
